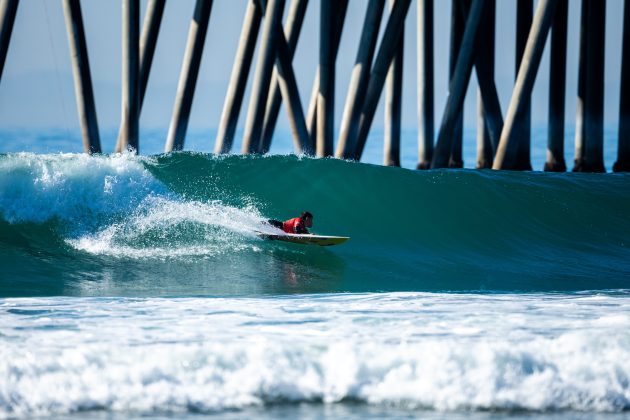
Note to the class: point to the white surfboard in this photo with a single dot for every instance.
(320, 240)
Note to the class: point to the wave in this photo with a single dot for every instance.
(509, 353)
(68, 222)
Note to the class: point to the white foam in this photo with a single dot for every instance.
(112, 205)
(75, 187)
(404, 349)
(162, 227)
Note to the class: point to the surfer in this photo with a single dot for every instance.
(295, 225)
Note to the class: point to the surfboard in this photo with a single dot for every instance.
(321, 240)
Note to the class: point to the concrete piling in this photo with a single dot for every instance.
(188, 76)
(341, 7)
(293, 26)
(291, 95)
(386, 51)
(262, 78)
(458, 22)
(508, 150)
(557, 89)
(80, 70)
(623, 146)
(326, 96)
(359, 78)
(238, 79)
(589, 136)
(8, 10)
(524, 16)
(393, 106)
(148, 41)
(425, 84)
(457, 86)
(130, 75)
(485, 149)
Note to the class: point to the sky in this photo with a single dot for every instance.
(36, 89)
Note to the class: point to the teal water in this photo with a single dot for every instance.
(136, 287)
(78, 225)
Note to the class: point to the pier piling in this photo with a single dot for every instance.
(148, 41)
(457, 86)
(589, 132)
(458, 22)
(524, 16)
(386, 51)
(393, 105)
(326, 96)
(341, 7)
(130, 75)
(623, 146)
(188, 76)
(8, 10)
(264, 67)
(80, 70)
(293, 26)
(359, 78)
(507, 156)
(485, 149)
(557, 89)
(425, 84)
(291, 95)
(238, 79)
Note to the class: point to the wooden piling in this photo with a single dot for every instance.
(507, 152)
(458, 22)
(425, 84)
(238, 79)
(148, 41)
(359, 78)
(485, 149)
(326, 96)
(293, 27)
(130, 72)
(188, 76)
(8, 10)
(589, 147)
(557, 89)
(80, 70)
(262, 78)
(393, 105)
(341, 7)
(524, 16)
(623, 146)
(386, 51)
(457, 86)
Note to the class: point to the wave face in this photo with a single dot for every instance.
(445, 352)
(183, 223)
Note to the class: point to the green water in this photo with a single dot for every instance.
(181, 224)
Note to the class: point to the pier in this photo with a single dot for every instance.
(270, 37)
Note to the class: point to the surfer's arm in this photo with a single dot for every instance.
(301, 229)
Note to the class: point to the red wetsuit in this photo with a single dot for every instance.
(295, 225)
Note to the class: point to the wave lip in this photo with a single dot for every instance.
(407, 350)
(72, 187)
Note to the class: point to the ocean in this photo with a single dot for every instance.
(135, 287)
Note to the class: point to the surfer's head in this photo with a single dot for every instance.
(308, 218)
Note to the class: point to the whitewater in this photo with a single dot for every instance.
(135, 286)
(407, 350)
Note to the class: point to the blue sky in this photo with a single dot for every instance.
(36, 90)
